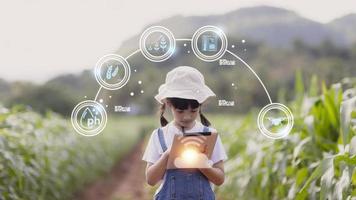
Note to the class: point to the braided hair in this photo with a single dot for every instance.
(182, 104)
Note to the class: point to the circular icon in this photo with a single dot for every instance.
(112, 72)
(89, 118)
(209, 43)
(275, 120)
(157, 43)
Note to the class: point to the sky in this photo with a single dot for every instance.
(40, 39)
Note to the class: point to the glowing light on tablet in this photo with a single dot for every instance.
(190, 155)
(193, 141)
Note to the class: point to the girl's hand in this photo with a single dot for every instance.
(166, 153)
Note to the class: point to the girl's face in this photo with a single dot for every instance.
(185, 117)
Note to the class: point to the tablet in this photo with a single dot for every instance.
(192, 150)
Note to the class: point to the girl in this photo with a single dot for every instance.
(183, 93)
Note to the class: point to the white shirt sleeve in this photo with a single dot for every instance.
(152, 152)
(219, 153)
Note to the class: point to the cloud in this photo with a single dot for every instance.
(200, 161)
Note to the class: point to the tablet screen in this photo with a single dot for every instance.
(192, 150)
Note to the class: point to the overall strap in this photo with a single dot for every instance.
(161, 139)
(206, 129)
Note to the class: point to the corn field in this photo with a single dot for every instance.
(316, 161)
(41, 157)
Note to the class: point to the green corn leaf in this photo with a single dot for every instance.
(330, 105)
(317, 173)
(347, 108)
(313, 89)
(326, 183)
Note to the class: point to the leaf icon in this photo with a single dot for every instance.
(114, 73)
(108, 72)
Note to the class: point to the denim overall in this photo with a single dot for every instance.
(183, 184)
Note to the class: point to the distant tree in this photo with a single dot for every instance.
(44, 98)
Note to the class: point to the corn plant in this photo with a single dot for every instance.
(316, 161)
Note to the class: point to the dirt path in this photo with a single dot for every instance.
(126, 181)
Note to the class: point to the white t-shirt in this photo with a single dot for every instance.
(154, 149)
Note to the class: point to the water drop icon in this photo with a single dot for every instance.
(86, 117)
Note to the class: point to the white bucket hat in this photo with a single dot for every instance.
(186, 83)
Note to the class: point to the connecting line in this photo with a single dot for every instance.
(138, 50)
(97, 94)
(248, 66)
(183, 39)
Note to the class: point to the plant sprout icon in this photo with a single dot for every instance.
(156, 47)
(161, 43)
